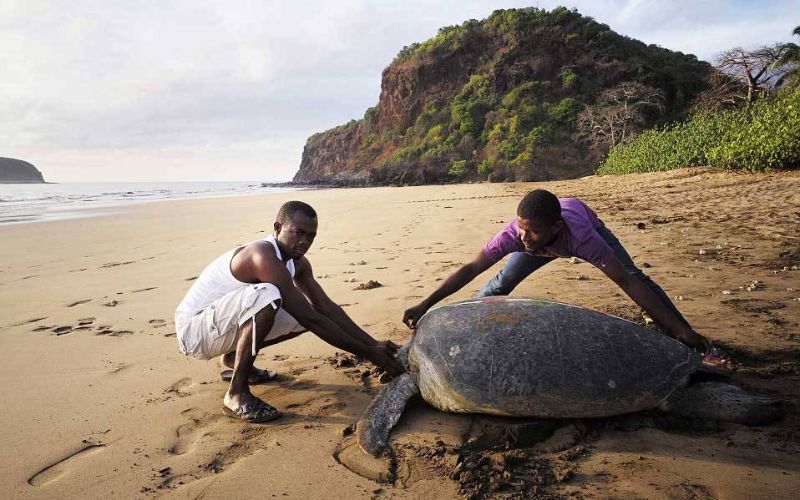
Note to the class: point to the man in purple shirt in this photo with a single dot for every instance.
(546, 228)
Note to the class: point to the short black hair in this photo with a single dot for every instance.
(540, 205)
(290, 208)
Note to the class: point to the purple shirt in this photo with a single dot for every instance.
(578, 238)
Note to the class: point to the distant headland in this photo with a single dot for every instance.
(14, 171)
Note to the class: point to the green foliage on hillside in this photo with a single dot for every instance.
(762, 136)
(488, 129)
(507, 104)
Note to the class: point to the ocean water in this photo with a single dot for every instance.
(25, 203)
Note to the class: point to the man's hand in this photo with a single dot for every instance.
(412, 315)
(388, 344)
(385, 356)
(692, 339)
(451, 285)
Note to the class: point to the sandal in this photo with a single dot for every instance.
(257, 376)
(253, 411)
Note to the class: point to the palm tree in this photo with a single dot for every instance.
(789, 60)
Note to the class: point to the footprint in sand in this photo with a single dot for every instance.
(115, 264)
(145, 289)
(79, 302)
(327, 409)
(157, 323)
(29, 321)
(57, 469)
(83, 324)
(106, 330)
(182, 387)
(62, 330)
(85, 321)
(103, 330)
(116, 367)
(189, 434)
(186, 439)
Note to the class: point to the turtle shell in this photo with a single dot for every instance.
(539, 358)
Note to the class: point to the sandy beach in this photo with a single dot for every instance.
(98, 403)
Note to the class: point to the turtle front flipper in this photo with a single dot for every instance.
(723, 402)
(383, 413)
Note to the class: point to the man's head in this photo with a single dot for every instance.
(295, 228)
(539, 219)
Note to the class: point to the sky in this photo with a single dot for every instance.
(203, 90)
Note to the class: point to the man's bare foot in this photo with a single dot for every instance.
(235, 400)
(255, 377)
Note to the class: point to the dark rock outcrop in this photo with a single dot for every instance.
(18, 171)
(497, 99)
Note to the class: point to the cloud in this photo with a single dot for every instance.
(182, 87)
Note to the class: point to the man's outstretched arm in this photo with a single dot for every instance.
(269, 270)
(323, 304)
(451, 285)
(645, 298)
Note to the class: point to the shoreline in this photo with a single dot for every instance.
(37, 210)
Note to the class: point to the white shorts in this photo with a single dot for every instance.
(215, 331)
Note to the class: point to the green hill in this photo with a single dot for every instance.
(498, 98)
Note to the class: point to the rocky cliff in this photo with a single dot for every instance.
(18, 171)
(503, 98)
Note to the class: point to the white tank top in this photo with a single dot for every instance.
(215, 281)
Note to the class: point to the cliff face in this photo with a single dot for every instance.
(18, 171)
(498, 98)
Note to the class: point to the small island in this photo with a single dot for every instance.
(14, 171)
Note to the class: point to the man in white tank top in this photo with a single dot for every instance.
(263, 293)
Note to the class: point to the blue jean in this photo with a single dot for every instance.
(522, 264)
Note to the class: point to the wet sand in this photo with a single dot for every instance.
(98, 403)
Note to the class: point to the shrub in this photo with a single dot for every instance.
(458, 168)
(762, 136)
(486, 166)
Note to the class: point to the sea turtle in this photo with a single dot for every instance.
(539, 358)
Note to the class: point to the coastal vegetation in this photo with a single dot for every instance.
(526, 94)
(748, 120)
(759, 137)
(530, 94)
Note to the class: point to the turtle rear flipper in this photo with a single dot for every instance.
(723, 402)
(383, 413)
